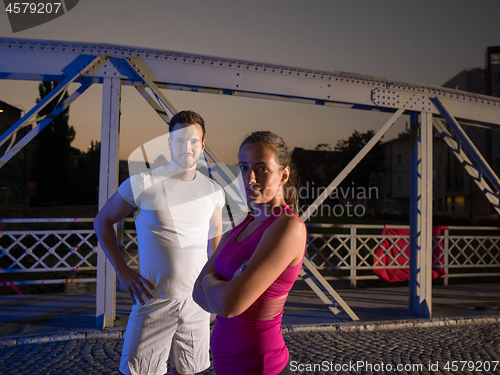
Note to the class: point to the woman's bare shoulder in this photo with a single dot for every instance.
(289, 224)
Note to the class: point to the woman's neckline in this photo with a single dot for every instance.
(252, 218)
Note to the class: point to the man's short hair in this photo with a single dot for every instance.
(187, 118)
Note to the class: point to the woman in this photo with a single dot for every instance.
(248, 278)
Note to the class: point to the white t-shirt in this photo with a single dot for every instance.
(172, 227)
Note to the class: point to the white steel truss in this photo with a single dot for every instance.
(108, 183)
(420, 296)
(474, 171)
(113, 66)
(41, 122)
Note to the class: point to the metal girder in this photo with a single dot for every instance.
(475, 172)
(30, 117)
(420, 98)
(420, 293)
(108, 183)
(44, 121)
(236, 77)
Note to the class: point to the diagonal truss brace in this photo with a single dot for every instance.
(465, 142)
(164, 108)
(352, 164)
(474, 172)
(142, 88)
(42, 122)
(314, 206)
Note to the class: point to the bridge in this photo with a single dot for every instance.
(151, 71)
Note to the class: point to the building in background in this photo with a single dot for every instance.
(482, 81)
(471, 80)
(454, 193)
(492, 88)
(492, 71)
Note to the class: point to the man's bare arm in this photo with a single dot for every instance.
(114, 211)
(215, 231)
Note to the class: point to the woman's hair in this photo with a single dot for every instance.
(284, 160)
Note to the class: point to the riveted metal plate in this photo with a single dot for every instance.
(402, 99)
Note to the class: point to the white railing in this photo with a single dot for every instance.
(55, 256)
(352, 252)
(340, 252)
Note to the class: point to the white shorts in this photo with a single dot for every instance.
(160, 325)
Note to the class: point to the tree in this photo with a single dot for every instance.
(86, 176)
(349, 148)
(323, 147)
(316, 169)
(53, 152)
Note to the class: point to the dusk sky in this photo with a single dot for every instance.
(420, 41)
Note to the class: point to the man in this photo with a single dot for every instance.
(180, 210)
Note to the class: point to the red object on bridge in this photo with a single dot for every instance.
(396, 251)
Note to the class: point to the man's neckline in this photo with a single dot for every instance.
(178, 179)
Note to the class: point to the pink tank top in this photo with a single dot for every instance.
(252, 343)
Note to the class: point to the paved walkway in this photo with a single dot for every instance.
(55, 334)
(459, 349)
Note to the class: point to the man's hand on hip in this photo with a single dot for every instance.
(135, 284)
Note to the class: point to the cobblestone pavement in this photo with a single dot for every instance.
(463, 349)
